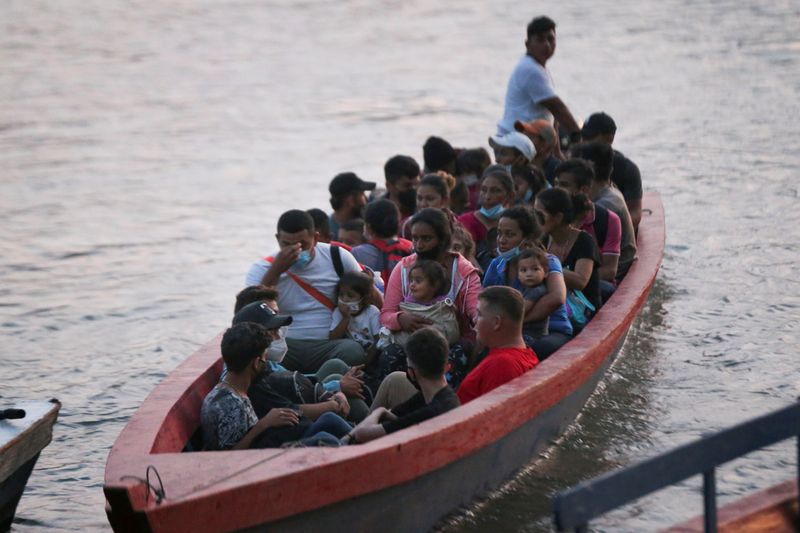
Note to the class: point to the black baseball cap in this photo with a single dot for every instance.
(346, 183)
(598, 124)
(261, 313)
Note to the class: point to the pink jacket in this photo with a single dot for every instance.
(467, 288)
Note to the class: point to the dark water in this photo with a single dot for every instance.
(148, 147)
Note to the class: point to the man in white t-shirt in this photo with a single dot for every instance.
(306, 278)
(531, 93)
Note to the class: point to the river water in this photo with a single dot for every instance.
(147, 149)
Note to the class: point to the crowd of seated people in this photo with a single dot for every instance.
(457, 277)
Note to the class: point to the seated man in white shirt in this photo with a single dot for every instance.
(531, 92)
(304, 273)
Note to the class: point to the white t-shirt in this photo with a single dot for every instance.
(363, 328)
(530, 84)
(312, 319)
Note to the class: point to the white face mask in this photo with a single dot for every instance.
(353, 306)
(278, 348)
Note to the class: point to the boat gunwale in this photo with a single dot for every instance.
(330, 470)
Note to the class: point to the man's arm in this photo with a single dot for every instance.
(370, 428)
(635, 208)
(608, 267)
(275, 418)
(561, 113)
(281, 263)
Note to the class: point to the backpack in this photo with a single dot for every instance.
(392, 253)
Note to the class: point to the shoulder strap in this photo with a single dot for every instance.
(336, 257)
(309, 288)
(600, 224)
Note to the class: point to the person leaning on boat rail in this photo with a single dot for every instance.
(605, 194)
(499, 328)
(280, 387)
(227, 417)
(518, 229)
(531, 93)
(348, 199)
(426, 351)
(625, 174)
(575, 176)
(306, 277)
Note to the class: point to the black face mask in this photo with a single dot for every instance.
(413, 381)
(408, 200)
(432, 254)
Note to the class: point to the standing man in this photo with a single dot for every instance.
(531, 93)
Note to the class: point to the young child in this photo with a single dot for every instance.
(427, 283)
(351, 232)
(428, 286)
(354, 317)
(532, 271)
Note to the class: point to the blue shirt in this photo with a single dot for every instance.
(497, 274)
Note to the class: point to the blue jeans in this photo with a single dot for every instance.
(327, 430)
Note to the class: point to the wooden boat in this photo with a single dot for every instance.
(773, 510)
(406, 481)
(21, 440)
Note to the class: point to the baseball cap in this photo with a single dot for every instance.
(598, 124)
(516, 140)
(261, 313)
(346, 183)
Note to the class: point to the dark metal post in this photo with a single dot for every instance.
(797, 519)
(709, 501)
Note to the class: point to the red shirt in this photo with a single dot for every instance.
(499, 367)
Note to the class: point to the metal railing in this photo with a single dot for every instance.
(575, 507)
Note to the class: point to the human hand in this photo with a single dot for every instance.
(411, 322)
(279, 417)
(287, 256)
(352, 382)
(342, 403)
(344, 309)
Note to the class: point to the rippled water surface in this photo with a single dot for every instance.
(147, 148)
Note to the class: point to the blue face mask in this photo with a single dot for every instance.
(493, 213)
(528, 195)
(508, 254)
(303, 259)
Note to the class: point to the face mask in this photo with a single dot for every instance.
(408, 199)
(470, 179)
(508, 254)
(303, 259)
(353, 306)
(508, 168)
(528, 195)
(413, 381)
(493, 213)
(278, 348)
(431, 254)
